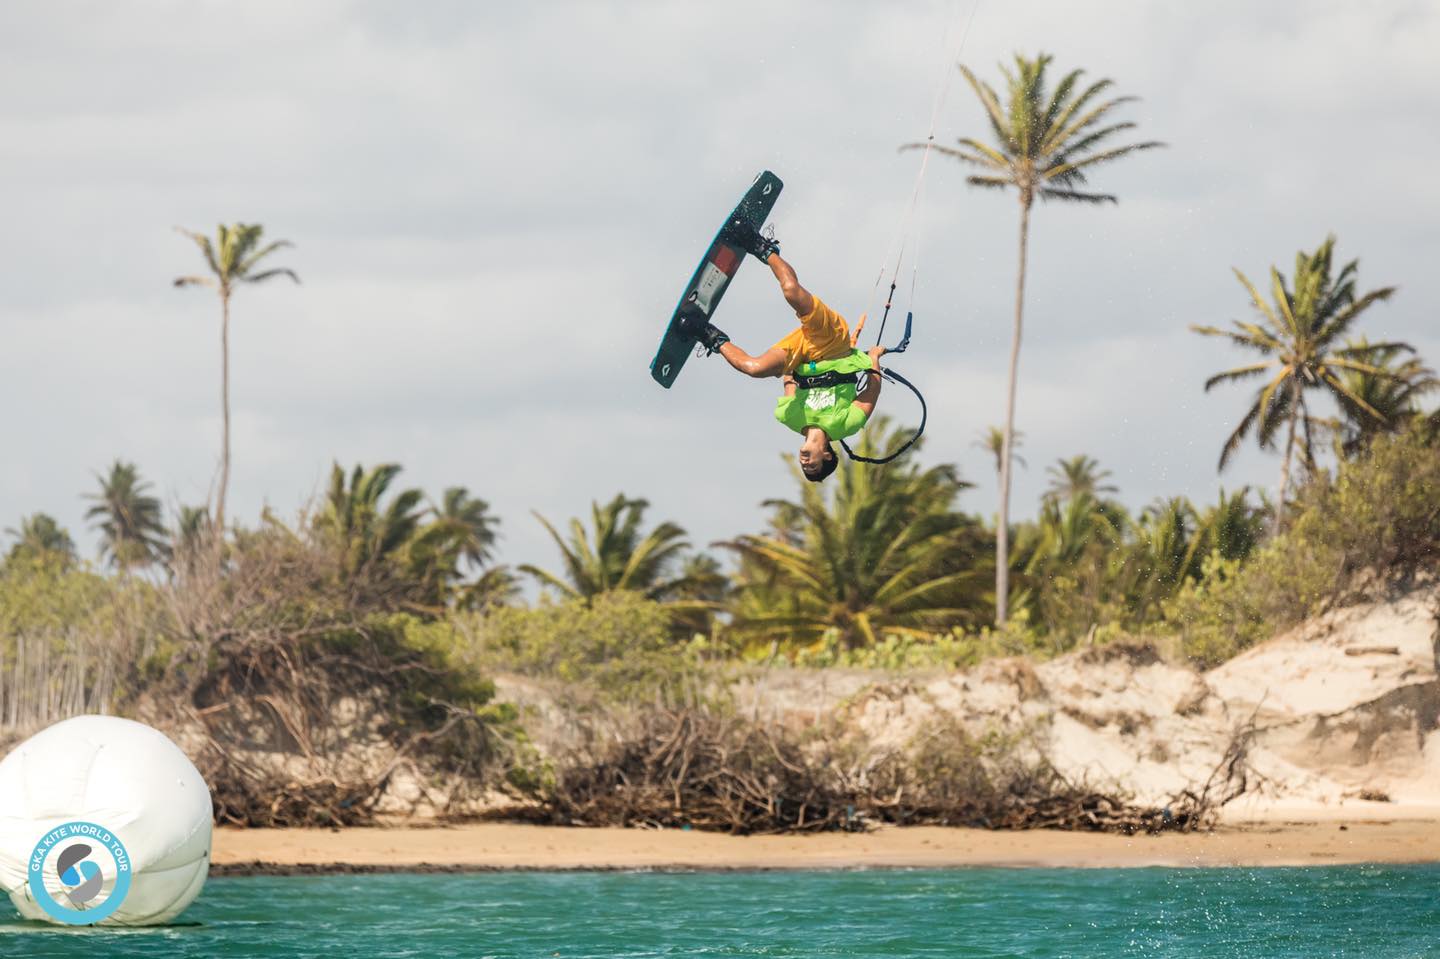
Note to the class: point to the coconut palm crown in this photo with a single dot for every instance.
(1301, 339)
(128, 518)
(616, 556)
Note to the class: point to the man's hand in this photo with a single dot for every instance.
(876, 352)
(855, 334)
(789, 384)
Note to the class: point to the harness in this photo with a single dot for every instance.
(822, 380)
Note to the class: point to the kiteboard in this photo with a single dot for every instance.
(717, 268)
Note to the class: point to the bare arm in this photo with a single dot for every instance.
(866, 399)
(769, 363)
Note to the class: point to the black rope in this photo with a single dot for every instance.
(894, 377)
(889, 298)
(897, 378)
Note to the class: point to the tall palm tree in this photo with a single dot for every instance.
(886, 554)
(1046, 143)
(1301, 339)
(1079, 474)
(40, 535)
(615, 555)
(131, 531)
(233, 259)
(1394, 395)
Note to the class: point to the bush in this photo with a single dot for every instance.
(619, 642)
(67, 638)
(1376, 524)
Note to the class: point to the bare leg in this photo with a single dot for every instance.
(796, 295)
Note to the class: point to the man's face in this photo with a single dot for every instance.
(812, 452)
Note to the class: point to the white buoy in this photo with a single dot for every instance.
(102, 820)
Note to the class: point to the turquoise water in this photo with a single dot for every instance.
(1361, 911)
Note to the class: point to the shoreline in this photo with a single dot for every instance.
(1281, 838)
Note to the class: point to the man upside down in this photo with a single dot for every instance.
(818, 363)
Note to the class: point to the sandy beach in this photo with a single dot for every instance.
(1276, 838)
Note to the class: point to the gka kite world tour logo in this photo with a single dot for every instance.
(81, 858)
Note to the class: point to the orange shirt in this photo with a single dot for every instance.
(822, 335)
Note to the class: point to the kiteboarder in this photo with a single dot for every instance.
(818, 362)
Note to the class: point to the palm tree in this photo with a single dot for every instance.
(615, 556)
(369, 531)
(1079, 474)
(700, 592)
(1046, 143)
(1073, 564)
(1068, 528)
(497, 586)
(1231, 527)
(992, 441)
(887, 554)
(471, 523)
(1167, 551)
(232, 259)
(40, 535)
(1393, 395)
(191, 526)
(131, 532)
(1300, 336)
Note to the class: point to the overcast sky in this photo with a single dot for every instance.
(494, 207)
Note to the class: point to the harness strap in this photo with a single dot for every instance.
(820, 380)
(897, 378)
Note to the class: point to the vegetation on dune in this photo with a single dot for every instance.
(885, 554)
(38, 536)
(1372, 525)
(69, 636)
(701, 768)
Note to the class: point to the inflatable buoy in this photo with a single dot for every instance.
(102, 820)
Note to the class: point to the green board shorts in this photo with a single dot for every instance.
(832, 408)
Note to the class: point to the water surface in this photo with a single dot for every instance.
(1372, 912)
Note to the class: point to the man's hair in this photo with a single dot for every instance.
(827, 465)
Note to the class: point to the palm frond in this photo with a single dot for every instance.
(1239, 373)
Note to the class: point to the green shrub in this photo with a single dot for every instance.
(69, 638)
(1376, 523)
(619, 642)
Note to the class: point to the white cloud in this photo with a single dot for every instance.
(495, 206)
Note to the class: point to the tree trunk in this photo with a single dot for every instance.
(1002, 531)
(224, 413)
(1285, 461)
